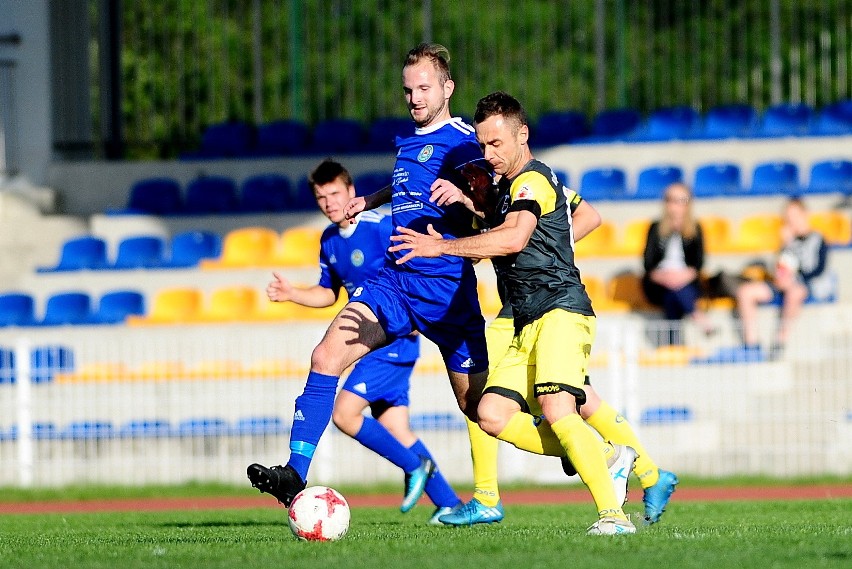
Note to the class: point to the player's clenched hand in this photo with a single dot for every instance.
(280, 289)
(445, 193)
(353, 207)
(417, 244)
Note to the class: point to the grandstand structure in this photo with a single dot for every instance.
(136, 344)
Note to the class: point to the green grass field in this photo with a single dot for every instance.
(721, 534)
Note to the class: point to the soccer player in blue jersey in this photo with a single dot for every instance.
(436, 297)
(350, 254)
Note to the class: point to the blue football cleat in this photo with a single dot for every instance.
(416, 483)
(435, 520)
(474, 512)
(657, 496)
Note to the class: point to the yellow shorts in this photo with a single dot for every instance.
(498, 338)
(549, 355)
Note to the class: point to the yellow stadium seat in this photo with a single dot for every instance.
(674, 355)
(601, 301)
(489, 298)
(298, 247)
(269, 310)
(834, 226)
(717, 234)
(216, 369)
(171, 306)
(229, 304)
(758, 234)
(274, 368)
(635, 236)
(326, 314)
(598, 243)
(95, 372)
(627, 288)
(246, 247)
(160, 370)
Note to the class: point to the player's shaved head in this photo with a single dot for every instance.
(437, 54)
(501, 104)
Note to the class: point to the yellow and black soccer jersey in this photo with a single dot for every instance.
(543, 275)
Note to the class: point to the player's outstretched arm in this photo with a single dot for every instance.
(282, 290)
(585, 219)
(364, 203)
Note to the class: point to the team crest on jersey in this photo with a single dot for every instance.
(525, 193)
(426, 153)
(357, 258)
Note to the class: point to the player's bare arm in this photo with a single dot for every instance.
(509, 237)
(585, 219)
(282, 290)
(364, 203)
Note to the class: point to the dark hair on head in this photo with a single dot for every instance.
(327, 172)
(434, 52)
(500, 103)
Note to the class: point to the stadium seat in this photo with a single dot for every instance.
(67, 308)
(831, 176)
(48, 361)
(232, 139)
(282, 138)
(834, 226)
(635, 235)
(760, 233)
(668, 124)
(338, 135)
(231, 304)
(664, 415)
(299, 247)
(603, 184)
(170, 306)
(155, 196)
(41, 430)
(141, 252)
(614, 124)
(598, 243)
(489, 298)
(95, 372)
(834, 119)
(79, 430)
(785, 120)
(245, 247)
(653, 182)
(115, 306)
(717, 234)
(202, 426)
(717, 180)
(382, 133)
(190, 247)
(210, 195)
(727, 121)
(7, 366)
(146, 428)
(265, 193)
(159, 370)
(216, 369)
(775, 178)
(440, 422)
(598, 294)
(304, 198)
(558, 127)
(626, 288)
(258, 426)
(80, 253)
(370, 182)
(563, 177)
(16, 309)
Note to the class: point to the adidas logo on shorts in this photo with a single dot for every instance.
(298, 416)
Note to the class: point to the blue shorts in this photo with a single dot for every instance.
(445, 310)
(382, 382)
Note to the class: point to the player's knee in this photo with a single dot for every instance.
(326, 360)
(491, 419)
(345, 421)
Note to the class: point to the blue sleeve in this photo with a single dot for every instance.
(328, 276)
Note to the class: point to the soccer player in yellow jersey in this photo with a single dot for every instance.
(531, 246)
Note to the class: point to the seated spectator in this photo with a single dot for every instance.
(800, 272)
(674, 255)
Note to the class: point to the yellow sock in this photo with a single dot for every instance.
(615, 428)
(532, 435)
(483, 451)
(586, 453)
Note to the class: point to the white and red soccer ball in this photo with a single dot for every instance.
(319, 513)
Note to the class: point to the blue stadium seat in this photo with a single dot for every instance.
(437, 422)
(834, 119)
(67, 308)
(338, 135)
(80, 253)
(265, 193)
(206, 426)
(7, 366)
(189, 247)
(653, 181)
(382, 133)
(665, 415)
(282, 138)
(730, 355)
(668, 124)
(563, 177)
(16, 309)
(785, 120)
(146, 428)
(260, 426)
(727, 121)
(831, 176)
(370, 182)
(717, 180)
(603, 184)
(304, 199)
(87, 430)
(210, 195)
(771, 178)
(117, 305)
(41, 430)
(140, 252)
(155, 196)
(614, 124)
(46, 361)
(558, 127)
(231, 139)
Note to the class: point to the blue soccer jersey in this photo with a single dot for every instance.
(349, 257)
(431, 153)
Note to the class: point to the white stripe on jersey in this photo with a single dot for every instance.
(462, 126)
(371, 216)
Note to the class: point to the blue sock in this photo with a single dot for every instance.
(437, 488)
(376, 438)
(313, 412)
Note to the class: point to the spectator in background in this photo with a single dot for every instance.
(800, 272)
(674, 255)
